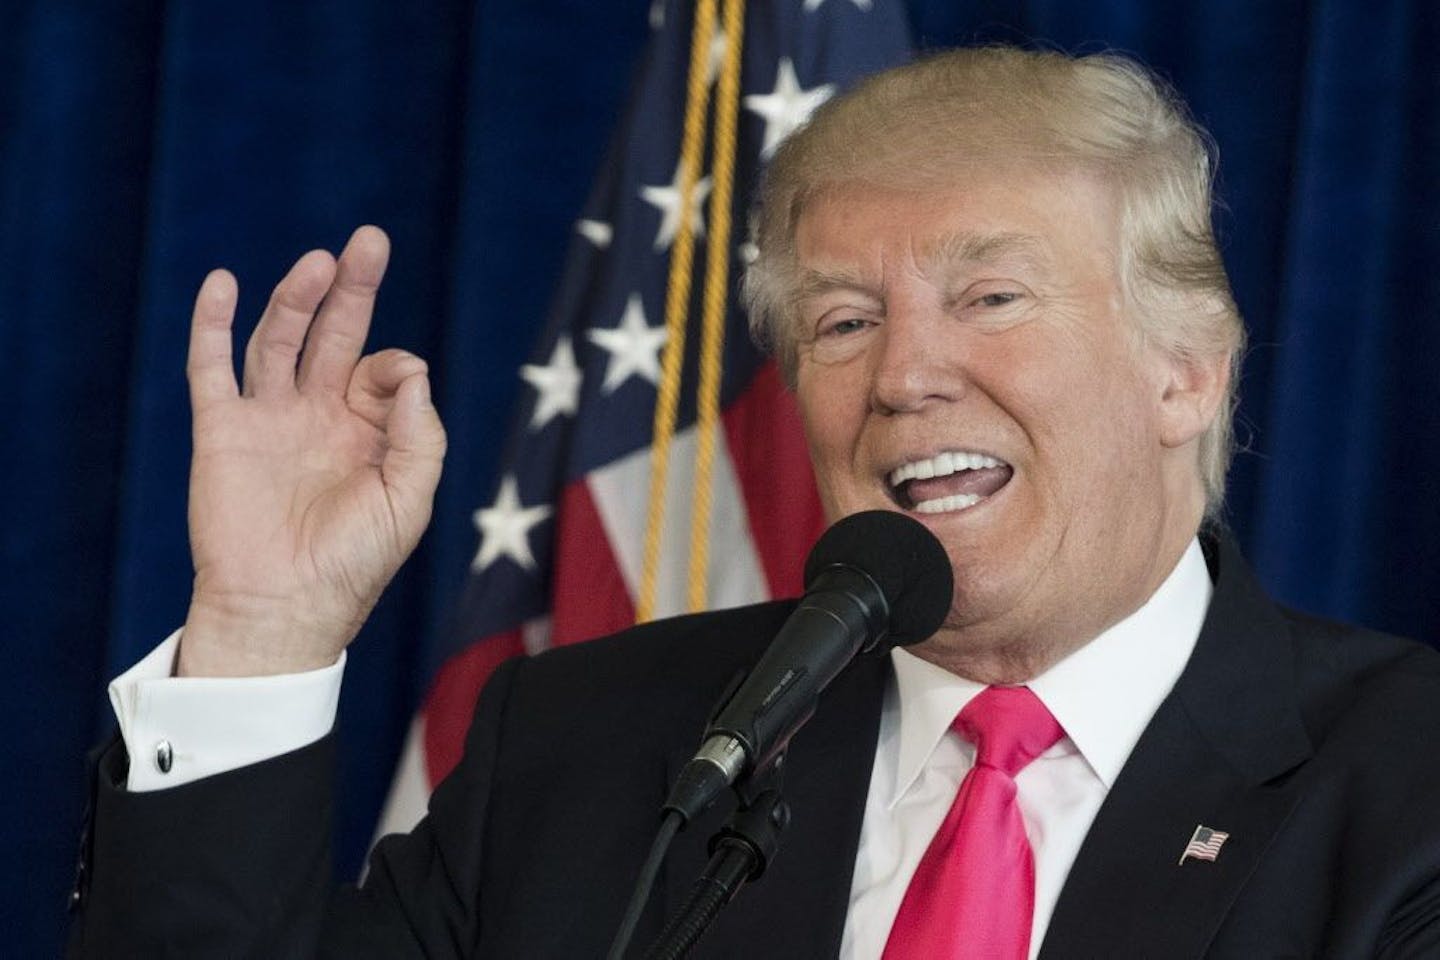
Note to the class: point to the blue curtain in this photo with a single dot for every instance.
(142, 144)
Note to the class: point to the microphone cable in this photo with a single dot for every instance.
(670, 825)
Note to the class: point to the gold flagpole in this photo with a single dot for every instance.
(677, 299)
(717, 275)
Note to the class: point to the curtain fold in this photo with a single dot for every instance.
(1345, 518)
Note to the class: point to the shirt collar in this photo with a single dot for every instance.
(1141, 656)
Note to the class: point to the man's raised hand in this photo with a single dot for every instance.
(312, 483)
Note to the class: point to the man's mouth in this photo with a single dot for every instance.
(949, 481)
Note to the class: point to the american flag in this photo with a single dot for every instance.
(1204, 844)
(574, 544)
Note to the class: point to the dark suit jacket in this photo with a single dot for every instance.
(1311, 744)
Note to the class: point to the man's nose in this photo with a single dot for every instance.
(913, 367)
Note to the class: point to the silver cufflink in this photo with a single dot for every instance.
(164, 756)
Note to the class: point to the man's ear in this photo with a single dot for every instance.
(1192, 389)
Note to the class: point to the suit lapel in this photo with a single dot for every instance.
(797, 909)
(1217, 754)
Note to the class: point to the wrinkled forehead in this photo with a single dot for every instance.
(1025, 215)
(934, 173)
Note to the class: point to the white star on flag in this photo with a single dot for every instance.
(634, 346)
(787, 106)
(667, 199)
(557, 383)
(505, 528)
(597, 232)
(548, 575)
(817, 4)
(718, 43)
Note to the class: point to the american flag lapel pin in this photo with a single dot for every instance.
(1204, 844)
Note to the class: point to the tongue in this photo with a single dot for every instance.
(981, 483)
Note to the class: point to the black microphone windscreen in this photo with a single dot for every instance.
(903, 557)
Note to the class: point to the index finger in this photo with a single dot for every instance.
(209, 365)
(337, 336)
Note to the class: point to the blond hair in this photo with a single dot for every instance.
(1103, 113)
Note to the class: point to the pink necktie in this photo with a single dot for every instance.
(973, 894)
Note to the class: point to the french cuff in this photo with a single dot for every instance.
(180, 729)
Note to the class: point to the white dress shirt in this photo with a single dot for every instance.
(179, 729)
(1103, 695)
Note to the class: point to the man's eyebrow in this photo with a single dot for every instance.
(948, 251)
(815, 282)
(966, 247)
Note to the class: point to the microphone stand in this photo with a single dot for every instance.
(739, 852)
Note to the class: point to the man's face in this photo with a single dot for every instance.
(964, 356)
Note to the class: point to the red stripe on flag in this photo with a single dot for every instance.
(590, 597)
(767, 446)
(451, 703)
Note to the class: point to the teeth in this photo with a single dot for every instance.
(958, 502)
(941, 465)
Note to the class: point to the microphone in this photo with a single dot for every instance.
(873, 580)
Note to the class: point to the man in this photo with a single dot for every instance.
(991, 279)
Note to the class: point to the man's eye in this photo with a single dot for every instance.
(845, 327)
(997, 299)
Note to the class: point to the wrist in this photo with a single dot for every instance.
(233, 638)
